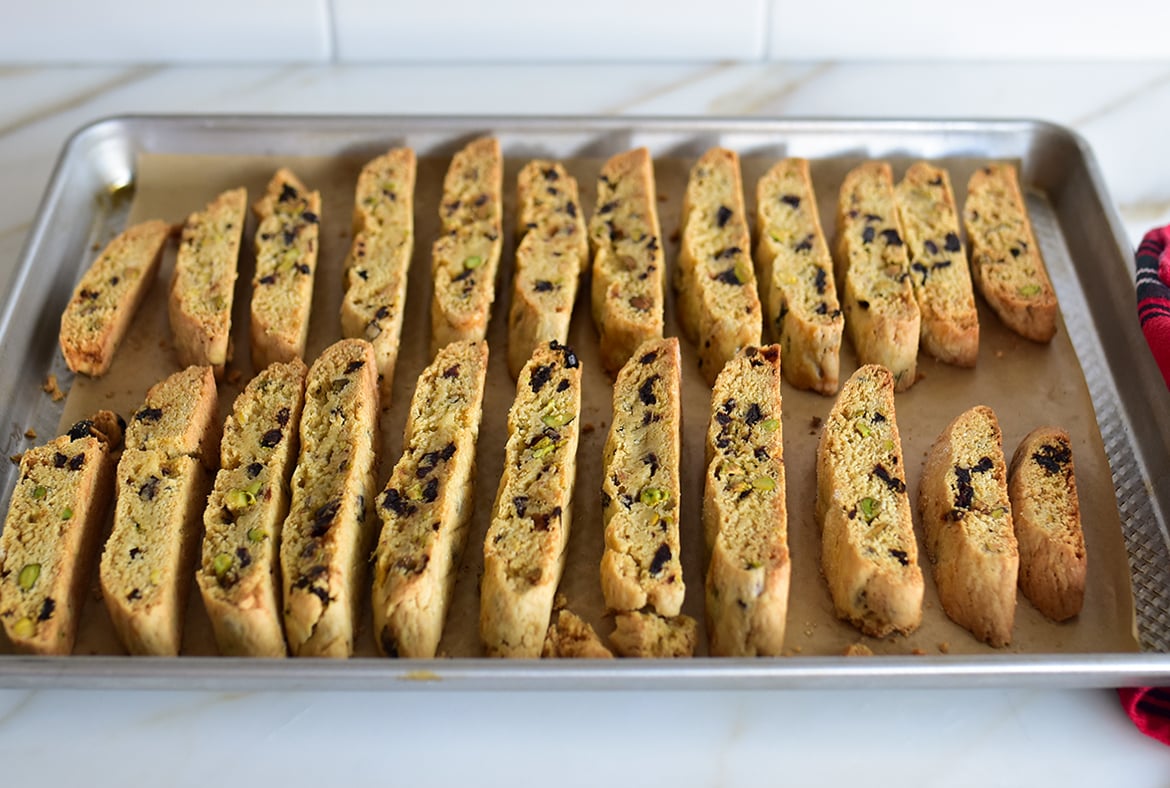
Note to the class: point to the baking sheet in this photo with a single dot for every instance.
(90, 196)
(1027, 384)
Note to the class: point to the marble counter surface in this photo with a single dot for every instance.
(936, 737)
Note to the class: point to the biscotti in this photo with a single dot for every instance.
(650, 636)
(287, 244)
(938, 265)
(524, 550)
(967, 519)
(1047, 516)
(569, 637)
(51, 533)
(379, 259)
(745, 512)
(796, 277)
(628, 263)
(552, 253)
(238, 575)
(203, 284)
(1006, 264)
(640, 485)
(161, 487)
(719, 307)
(426, 506)
(881, 313)
(325, 540)
(868, 552)
(466, 254)
(109, 294)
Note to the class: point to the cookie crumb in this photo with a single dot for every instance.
(234, 376)
(674, 236)
(30, 433)
(918, 652)
(15, 458)
(662, 197)
(588, 427)
(944, 647)
(51, 388)
(858, 650)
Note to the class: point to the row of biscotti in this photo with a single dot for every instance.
(988, 527)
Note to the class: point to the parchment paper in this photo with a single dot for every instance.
(1025, 383)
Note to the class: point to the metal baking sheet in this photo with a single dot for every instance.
(91, 193)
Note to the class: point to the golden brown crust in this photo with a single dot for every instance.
(104, 302)
(868, 551)
(963, 501)
(628, 261)
(1047, 515)
(1006, 263)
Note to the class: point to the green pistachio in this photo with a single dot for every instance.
(472, 262)
(257, 535)
(1027, 291)
(652, 496)
(235, 500)
(221, 564)
(764, 483)
(556, 418)
(28, 576)
(25, 628)
(40, 491)
(869, 508)
(543, 447)
(770, 425)
(862, 428)
(66, 513)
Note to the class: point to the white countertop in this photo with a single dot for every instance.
(925, 737)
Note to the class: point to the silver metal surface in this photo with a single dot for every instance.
(1095, 287)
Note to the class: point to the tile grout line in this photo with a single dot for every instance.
(331, 30)
(766, 31)
(1121, 101)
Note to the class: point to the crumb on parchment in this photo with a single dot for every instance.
(51, 388)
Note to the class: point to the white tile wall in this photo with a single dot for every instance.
(367, 31)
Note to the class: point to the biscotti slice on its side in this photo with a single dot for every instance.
(552, 253)
(718, 304)
(628, 262)
(569, 637)
(963, 500)
(938, 265)
(1005, 259)
(239, 572)
(379, 259)
(524, 550)
(426, 506)
(796, 277)
(745, 512)
(1047, 515)
(465, 256)
(651, 636)
(109, 294)
(640, 485)
(161, 487)
(51, 534)
(868, 552)
(203, 284)
(873, 270)
(287, 243)
(325, 540)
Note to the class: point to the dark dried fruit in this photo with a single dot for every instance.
(867, 235)
(270, 279)
(451, 371)
(805, 245)
(661, 558)
(646, 391)
(821, 281)
(571, 209)
(649, 357)
(901, 555)
(323, 519)
(148, 414)
(310, 217)
(893, 482)
(1052, 458)
(728, 277)
(271, 438)
(77, 461)
(541, 375)
(149, 489)
(722, 216)
(952, 243)
(354, 366)
(542, 286)
(607, 207)
(303, 269)
(395, 502)
(754, 415)
(135, 552)
(59, 460)
(651, 459)
(892, 237)
(287, 192)
(244, 557)
(862, 303)
(431, 491)
(790, 199)
(520, 502)
(730, 251)
(930, 246)
(253, 470)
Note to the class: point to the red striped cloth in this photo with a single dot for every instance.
(1149, 707)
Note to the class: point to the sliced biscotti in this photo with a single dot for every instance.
(967, 519)
(718, 304)
(640, 485)
(570, 637)
(51, 533)
(1005, 259)
(552, 253)
(873, 269)
(238, 575)
(1047, 516)
(651, 636)
(745, 512)
(161, 487)
(204, 281)
(287, 244)
(628, 263)
(426, 506)
(868, 552)
(524, 550)
(938, 265)
(325, 540)
(466, 254)
(379, 259)
(109, 294)
(796, 277)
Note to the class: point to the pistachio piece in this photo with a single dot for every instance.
(1028, 291)
(40, 491)
(543, 447)
(25, 628)
(862, 428)
(869, 508)
(66, 513)
(764, 483)
(770, 425)
(28, 576)
(221, 564)
(257, 535)
(652, 496)
(743, 272)
(556, 418)
(472, 262)
(236, 500)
